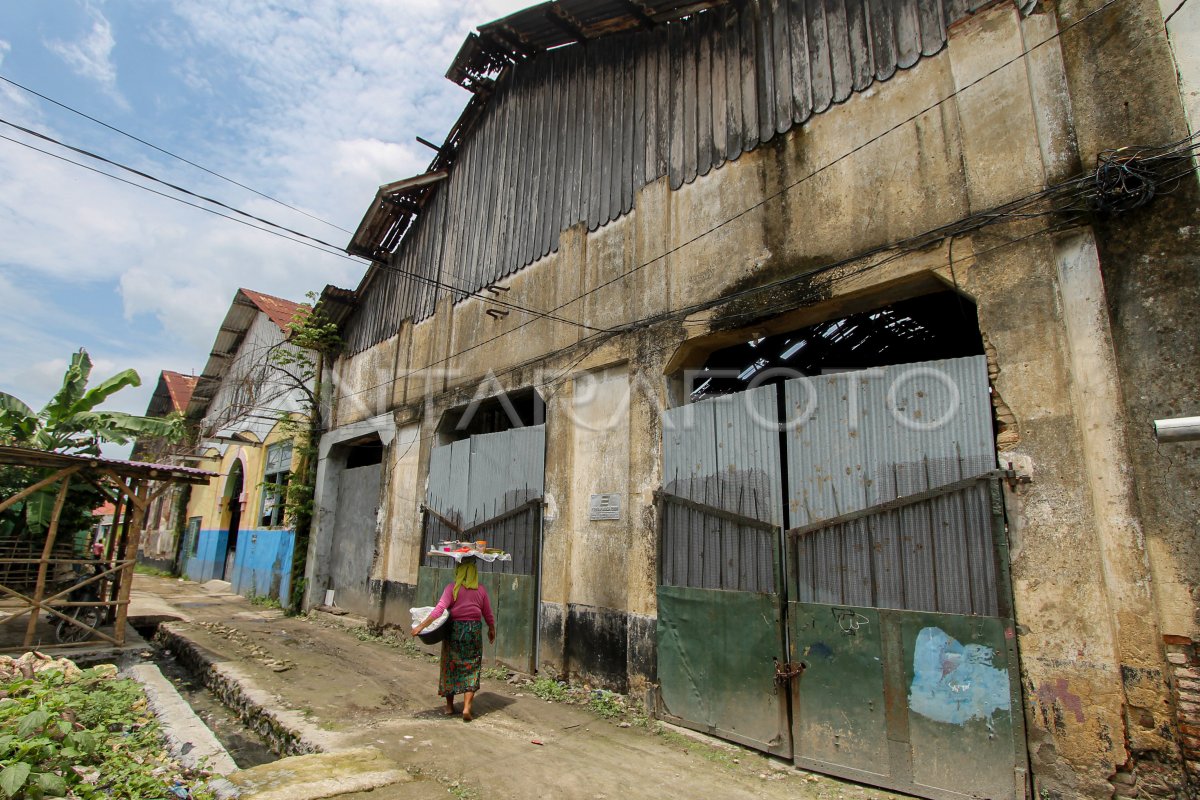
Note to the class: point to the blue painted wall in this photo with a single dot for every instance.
(262, 565)
(209, 559)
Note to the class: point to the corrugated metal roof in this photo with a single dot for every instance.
(20, 456)
(179, 388)
(246, 305)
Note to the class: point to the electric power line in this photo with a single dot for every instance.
(164, 151)
(779, 193)
(279, 230)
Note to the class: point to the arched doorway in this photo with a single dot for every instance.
(232, 512)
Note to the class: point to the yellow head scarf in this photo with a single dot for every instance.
(466, 574)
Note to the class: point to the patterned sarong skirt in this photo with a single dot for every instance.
(462, 657)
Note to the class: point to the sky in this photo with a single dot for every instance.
(310, 102)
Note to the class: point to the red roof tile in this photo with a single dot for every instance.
(180, 388)
(280, 311)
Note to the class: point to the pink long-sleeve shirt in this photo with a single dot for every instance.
(471, 605)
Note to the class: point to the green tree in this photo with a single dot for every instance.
(312, 340)
(69, 423)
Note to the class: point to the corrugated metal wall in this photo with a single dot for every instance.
(571, 136)
(863, 438)
(482, 477)
(722, 453)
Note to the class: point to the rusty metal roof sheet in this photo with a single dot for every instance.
(246, 306)
(483, 55)
(24, 457)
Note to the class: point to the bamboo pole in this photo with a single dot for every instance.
(109, 587)
(44, 482)
(44, 564)
(140, 491)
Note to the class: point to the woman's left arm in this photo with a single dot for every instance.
(486, 608)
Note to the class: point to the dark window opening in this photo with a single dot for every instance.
(276, 472)
(364, 455)
(519, 409)
(934, 326)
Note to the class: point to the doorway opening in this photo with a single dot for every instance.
(234, 486)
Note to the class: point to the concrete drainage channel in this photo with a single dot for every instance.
(265, 753)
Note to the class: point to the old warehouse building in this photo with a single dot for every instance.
(804, 356)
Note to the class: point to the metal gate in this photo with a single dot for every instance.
(490, 487)
(895, 611)
(720, 609)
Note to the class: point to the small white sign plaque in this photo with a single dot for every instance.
(605, 506)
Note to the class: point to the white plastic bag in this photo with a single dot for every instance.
(419, 615)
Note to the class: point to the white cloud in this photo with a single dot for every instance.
(332, 96)
(91, 55)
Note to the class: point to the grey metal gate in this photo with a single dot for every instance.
(720, 632)
(490, 487)
(899, 597)
(355, 529)
(874, 639)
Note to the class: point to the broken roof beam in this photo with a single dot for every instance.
(561, 19)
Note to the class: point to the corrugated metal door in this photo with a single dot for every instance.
(490, 487)
(354, 534)
(898, 588)
(720, 612)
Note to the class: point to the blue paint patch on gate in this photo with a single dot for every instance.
(955, 683)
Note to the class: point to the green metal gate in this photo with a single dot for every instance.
(720, 605)
(894, 613)
(490, 487)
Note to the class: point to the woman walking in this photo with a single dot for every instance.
(462, 649)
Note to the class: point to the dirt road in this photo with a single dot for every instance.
(357, 690)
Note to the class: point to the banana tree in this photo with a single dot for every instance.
(71, 423)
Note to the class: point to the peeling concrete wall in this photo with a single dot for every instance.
(1089, 335)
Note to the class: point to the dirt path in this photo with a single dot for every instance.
(364, 691)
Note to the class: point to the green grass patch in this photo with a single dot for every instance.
(265, 601)
(496, 673)
(550, 690)
(146, 569)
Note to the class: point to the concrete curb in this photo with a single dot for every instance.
(320, 775)
(287, 732)
(188, 738)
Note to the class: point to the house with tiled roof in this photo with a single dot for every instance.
(239, 410)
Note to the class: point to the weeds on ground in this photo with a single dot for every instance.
(607, 704)
(496, 673)
(88, 737)
(265, 601)
(405, 644)
(708, 752)
(549, 689)
(146, 569)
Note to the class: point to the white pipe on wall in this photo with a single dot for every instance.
(1177, 429)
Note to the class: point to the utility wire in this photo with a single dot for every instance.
(279, 230)
(164, 151)
(779, 193)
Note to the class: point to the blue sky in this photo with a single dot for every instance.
(313, 103)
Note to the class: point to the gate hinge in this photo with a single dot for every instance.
(786, 672)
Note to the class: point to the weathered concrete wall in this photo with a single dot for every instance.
(1089, 334)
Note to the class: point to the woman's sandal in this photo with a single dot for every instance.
(467, 716)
